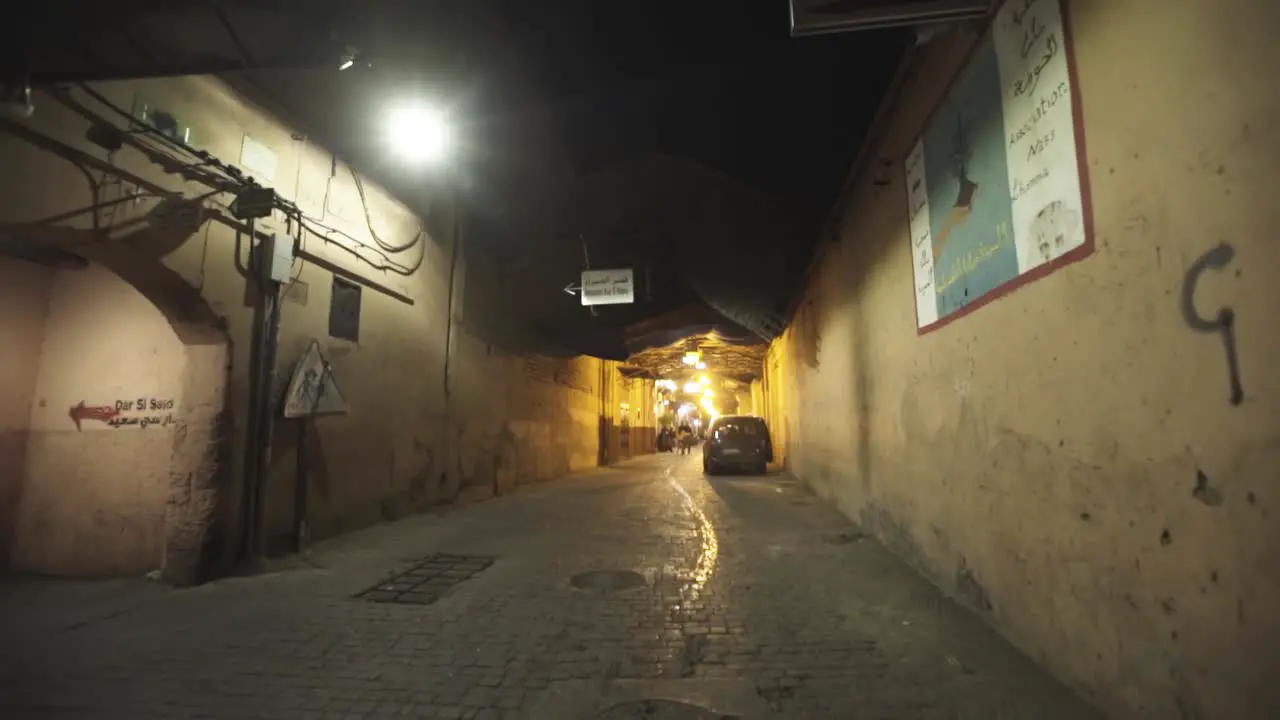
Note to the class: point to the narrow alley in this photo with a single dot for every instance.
(753, 599)
(575, 360)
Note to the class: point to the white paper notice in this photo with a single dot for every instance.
(921, 238)
(1044, 179)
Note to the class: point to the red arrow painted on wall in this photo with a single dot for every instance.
(101, 413)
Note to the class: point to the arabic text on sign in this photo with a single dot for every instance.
(974, 258)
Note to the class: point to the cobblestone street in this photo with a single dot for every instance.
(757, 600)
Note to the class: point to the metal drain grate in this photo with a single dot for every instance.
(427, 581)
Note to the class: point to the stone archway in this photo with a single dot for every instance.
(195, 468)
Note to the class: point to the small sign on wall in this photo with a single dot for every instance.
(142, 413)
(258, 160)
(312, 389)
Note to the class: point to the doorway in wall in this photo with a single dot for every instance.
(117, 406)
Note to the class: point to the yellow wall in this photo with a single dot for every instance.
(94, 495)
(629, 427)
(775, 391)
(24, 291)
(1039, 458)
(404, 443)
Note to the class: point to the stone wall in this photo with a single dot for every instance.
(102, 425)
(24, 291)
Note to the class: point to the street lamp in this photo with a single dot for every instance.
(420, 135)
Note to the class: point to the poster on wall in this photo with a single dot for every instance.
(996, 189)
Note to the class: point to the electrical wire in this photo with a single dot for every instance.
(368, 219)
(95, 188)
(353, 245)
(240, 181)
(229, 171)
(327, 232)
(300, 239)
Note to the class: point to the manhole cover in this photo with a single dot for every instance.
(660, 710)
(608, 580)
(843, 538)
(427, 580)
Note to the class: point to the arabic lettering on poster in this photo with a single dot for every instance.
(917, 194)
(1039, 45)
(918, 220)
(1036, 28)
(975, 258)
(1041, 134)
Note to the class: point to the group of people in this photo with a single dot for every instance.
(680, 440)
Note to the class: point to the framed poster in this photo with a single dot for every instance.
(997, 191)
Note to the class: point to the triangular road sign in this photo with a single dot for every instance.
(312, 389)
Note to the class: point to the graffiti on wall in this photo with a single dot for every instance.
(141, 413)
(1222, 322)
(996, 190)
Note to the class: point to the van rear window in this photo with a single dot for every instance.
(739, 427)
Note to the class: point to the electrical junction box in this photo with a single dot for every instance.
(278, 255)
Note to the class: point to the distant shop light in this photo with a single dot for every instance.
(701, 366)
(692, 388)
(692, 358)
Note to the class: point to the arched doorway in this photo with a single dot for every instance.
(121, 369)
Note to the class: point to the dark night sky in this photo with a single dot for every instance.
(720, 82)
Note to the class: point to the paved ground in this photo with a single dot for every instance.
(757, 601)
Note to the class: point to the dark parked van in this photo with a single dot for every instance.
(737, 442)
